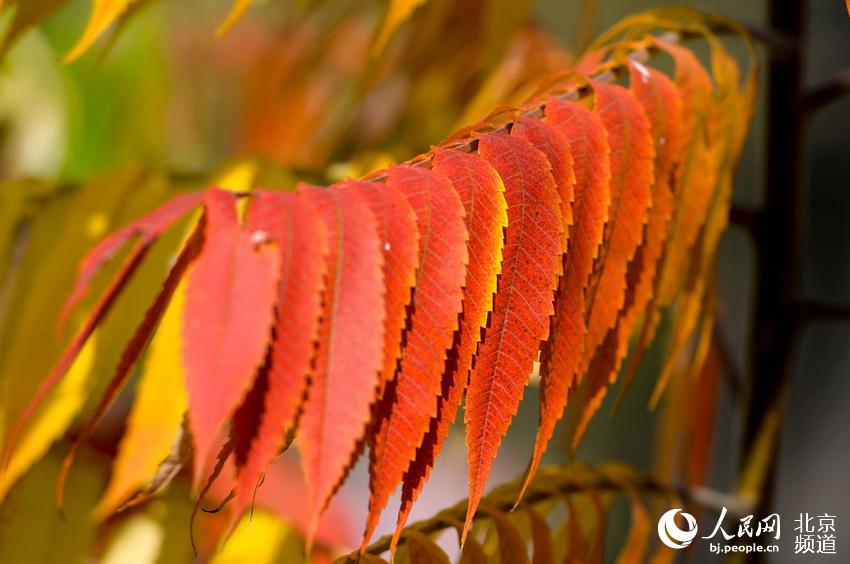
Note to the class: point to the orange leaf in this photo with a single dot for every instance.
(632, 177)
(483, 196)
(695, 177)
(294, 225)
(555, 145)
(632, 154)
(523, 303)
(399, 236)
(230, 299)
(563, 354)
(351, 338)
(541, 537)
(412, 402)
(662, 102)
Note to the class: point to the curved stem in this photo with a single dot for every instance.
(569, 485)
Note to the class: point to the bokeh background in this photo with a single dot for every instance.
(294, 91)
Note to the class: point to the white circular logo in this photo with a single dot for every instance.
(670, 533)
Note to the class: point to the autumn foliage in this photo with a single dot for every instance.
(547, 239)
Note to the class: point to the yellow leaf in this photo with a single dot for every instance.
(255, 541)
(137, 541)
(44, 269)
(420, 549)
(237, 9)
(398, 12)
(156, 415)
(60, 232)
(66, 401)
(33, 531)
(237, 176)
(104, 13)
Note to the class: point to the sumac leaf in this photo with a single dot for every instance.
(351, 340)
(399, 238)
(632, 154)
(231, 294)
(300, 236)
(483, 196)
(146, 230)
(133, 350)
(563, 353)
(436, 309)
(523, 302)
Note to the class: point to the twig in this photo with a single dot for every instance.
(746, 218)
(612, 71)
(808, 310)
(830, 91)
(777, 240)
(730, 370)
(700, 496)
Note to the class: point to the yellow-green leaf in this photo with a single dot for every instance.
(398, 12)
(136, 541)
(237, 9)
(104, 13)
(255, 541)
(157, 412)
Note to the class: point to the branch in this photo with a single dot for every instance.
(745, 218)
(543, 488)
(731, 373)
(777, 41)
(807, 310)
(832, 90)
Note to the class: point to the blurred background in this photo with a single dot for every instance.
(296, 91)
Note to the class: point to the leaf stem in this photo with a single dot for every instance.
(565, 483)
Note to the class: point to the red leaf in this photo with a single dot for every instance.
(350, 354)
(294, 225)
(230, 298)
(523, 303)
(436, 307)
(693, 185)
(483, 196)
(562, 356)
(632, 154)
(132, 352)
(662, 102)
(555, 145)
(244, 431)
(284, 493)
(399, 238)
(147, 229)
(221, 465)
(695, 177)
